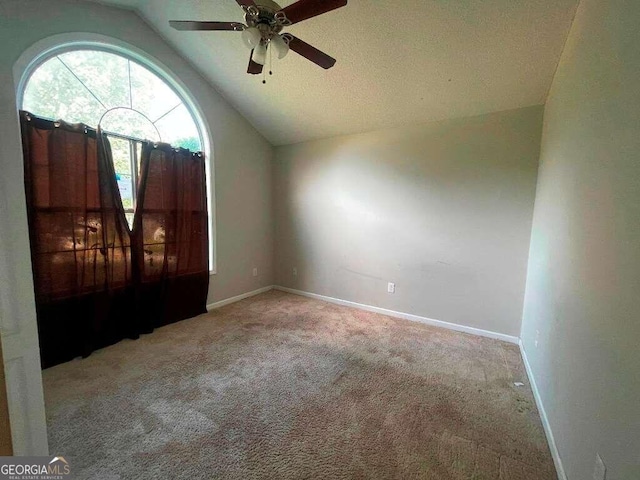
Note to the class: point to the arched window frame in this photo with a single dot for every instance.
(50, 47)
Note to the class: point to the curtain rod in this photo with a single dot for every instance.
(86, 127)
(94, 131)
(124, 137)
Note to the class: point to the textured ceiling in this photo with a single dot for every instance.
(399, 63)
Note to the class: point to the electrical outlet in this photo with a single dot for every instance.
(295, 271)
(255, 271)
(537, 338)
(391, 287)
(599, 470)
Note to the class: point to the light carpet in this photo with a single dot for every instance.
(280, 386)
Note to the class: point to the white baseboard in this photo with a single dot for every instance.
(406, 316)
(237, 298)
(543, 416)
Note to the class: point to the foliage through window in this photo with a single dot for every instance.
(83, 86)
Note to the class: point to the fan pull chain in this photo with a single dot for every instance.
(264, 80)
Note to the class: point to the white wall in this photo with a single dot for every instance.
(583, 287)
(443, 210)
(242, 168)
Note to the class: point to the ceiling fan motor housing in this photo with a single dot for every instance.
(273, 6)
(263, 17)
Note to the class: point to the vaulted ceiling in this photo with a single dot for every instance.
(398, 62)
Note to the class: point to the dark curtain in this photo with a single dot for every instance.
(95, 282)
(170, 235)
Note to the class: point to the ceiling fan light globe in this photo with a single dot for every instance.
(280, 46)
(251, 37)
(260, 54)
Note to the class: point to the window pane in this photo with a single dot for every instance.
(179, 129)
(105, 75)
(151, 95)
(80, 86)
(55, 93)
(121, 152)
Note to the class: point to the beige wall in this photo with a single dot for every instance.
(443, 210)
(583, 287)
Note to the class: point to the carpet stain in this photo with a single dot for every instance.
(280, 386)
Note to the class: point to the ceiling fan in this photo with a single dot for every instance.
(264, 22)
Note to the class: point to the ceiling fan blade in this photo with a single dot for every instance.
(310, 53)
(195, 26)
(253, 68)
(303, 9)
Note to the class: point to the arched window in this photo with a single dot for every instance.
(128, 100)
(82, 85)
